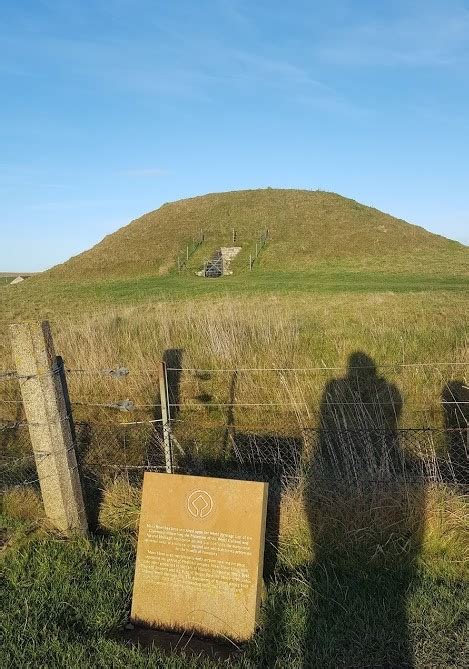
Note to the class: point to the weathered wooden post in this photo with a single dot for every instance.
(187, 253)
(50, 425)
(166, 417)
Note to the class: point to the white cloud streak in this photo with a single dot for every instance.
(431, 34)
(175, 60)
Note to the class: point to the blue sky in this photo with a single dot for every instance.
(111, 107)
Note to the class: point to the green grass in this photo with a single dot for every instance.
(306, 228)
(65, 603)
(60, 298)
(230, 324)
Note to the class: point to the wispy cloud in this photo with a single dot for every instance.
(233, 11)
(172, 59)
(421, 34)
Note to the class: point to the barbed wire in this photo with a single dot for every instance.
(117, 372)
(18, 424)
(128, 405)
(12, 425)
(13, 376)
(318, 368)
(8, 376)
(257, 450)
(147, 468)
(143, 422)
(38, 455)
(137, 445)
(234, 426)
(120, 372)
(121, 405)
(269, 454)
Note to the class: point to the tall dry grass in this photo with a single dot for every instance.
(225, 345)
(294, 332)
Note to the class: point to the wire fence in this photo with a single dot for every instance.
(373, 455)
(355, 438)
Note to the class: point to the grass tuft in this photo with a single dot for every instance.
(120, 506)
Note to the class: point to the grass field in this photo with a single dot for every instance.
(58, 298)
(367, 578)
(392, 595)
(291, 320)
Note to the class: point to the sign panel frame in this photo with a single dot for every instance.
(200, 555)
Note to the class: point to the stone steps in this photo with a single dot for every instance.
(219, 263)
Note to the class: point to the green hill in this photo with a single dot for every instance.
(306, 229)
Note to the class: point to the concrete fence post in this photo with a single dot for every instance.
(47, 409)
(166, 417)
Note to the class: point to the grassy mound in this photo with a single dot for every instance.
(306, 228)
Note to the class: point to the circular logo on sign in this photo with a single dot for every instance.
(199, 504)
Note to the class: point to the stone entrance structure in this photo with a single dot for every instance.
(219, 263)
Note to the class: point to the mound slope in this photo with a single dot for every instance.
(305, 228)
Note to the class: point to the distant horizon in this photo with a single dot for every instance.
(7, 273)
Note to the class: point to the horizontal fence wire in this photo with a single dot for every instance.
(13, 376)
(8, 376)
(122, 372)
(285, 447)
(17, 462)
(129, 405)
(350, 456)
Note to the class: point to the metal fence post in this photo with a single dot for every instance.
(47, 410)
(166, 417)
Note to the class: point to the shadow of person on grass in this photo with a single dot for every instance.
(365, 522)
(455, 401)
